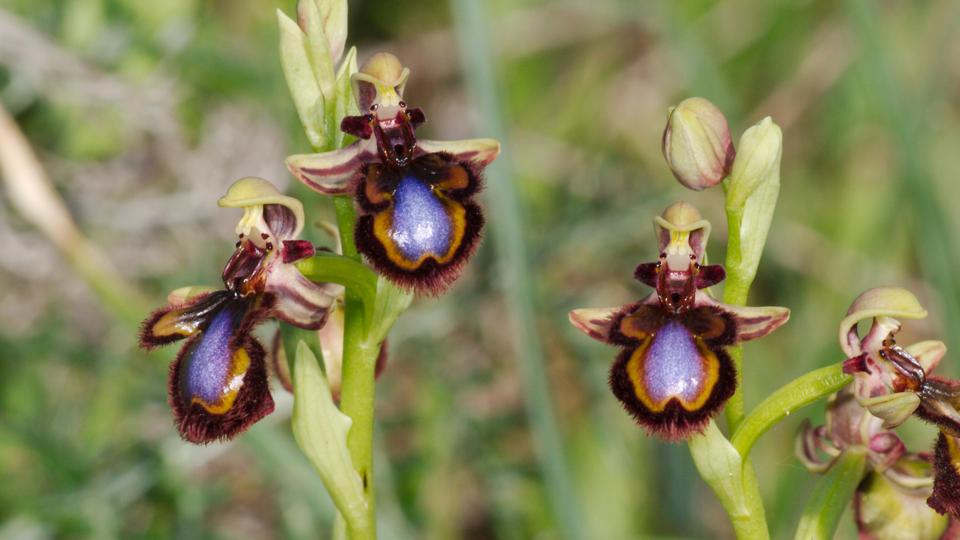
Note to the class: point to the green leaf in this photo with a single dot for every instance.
(722, 468)
(301, 80)
(320, 430)
(798, 393)
(831, 496)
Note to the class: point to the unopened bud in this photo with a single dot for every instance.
(757, 163)
(697, 144)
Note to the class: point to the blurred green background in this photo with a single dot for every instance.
(142, 113)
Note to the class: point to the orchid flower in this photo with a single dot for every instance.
(674, 373)
(218, 382)
(418, 221)
(890, 384)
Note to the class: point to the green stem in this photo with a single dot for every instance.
(798, 393)
(753, 523)
(735, 291)
(722, 468)
(346, 219)
(359, 279)
(358, 388)
(831, 496)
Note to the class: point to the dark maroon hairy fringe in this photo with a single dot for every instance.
(431, 278)
(946, 481)
(674, 423)
(149, 341)
(252, 403)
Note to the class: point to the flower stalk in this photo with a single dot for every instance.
(831, 496)
(751, 198)
(798, 393)
(721, 467)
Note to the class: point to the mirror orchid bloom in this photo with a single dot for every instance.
(673, 373)
(418, 222)
(218, 381)
(894, 382)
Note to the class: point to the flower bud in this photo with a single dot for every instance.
(310, 48)
(757, 163)
(752, 192)
(697, 144)
(327, 19)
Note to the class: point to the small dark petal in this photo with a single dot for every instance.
(416, 116)
(358, 126)
(711, 323)
(710, 275)
(175, 322)
(637, 379)
(857, 364)
(295, 250)
(215, 363)
(946, 470)
(646, 273)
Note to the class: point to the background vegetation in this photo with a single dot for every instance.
(143, 112)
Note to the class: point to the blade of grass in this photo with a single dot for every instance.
(507, 227)
(936, 244)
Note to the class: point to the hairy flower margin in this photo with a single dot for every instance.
(218, 382)
(891, 384)
(673, 373)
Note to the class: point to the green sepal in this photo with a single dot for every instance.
(298, 70)
(831, 496)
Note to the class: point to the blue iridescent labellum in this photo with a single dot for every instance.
(218, 382)
(418, 222)
(673, 373)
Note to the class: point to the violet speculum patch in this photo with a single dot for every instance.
(673, 373)
(218, 382)
(418, 223)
